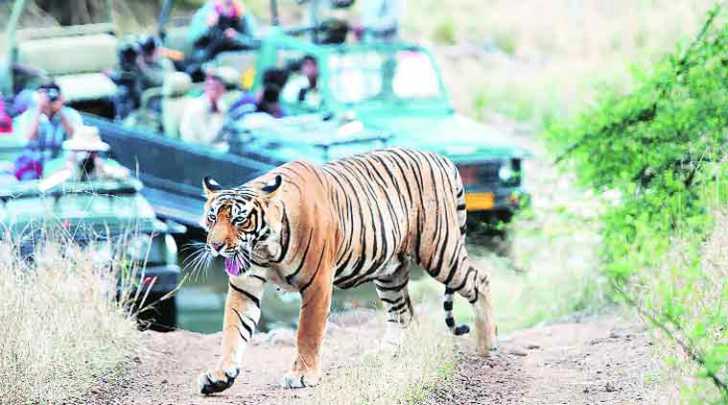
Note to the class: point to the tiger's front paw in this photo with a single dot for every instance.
(216, 381)
(301, 379)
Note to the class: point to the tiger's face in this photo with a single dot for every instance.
(238, 228)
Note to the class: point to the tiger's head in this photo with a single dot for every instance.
(240, 224)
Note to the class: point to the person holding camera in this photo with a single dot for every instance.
(219, 26)
(45, 126)
(141, 67)
(151, 65)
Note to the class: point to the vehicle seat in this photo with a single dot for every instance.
(75, 62)
(174, 98)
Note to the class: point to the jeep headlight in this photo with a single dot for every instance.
(505, 173)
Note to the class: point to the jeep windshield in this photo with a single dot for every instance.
(385, 76)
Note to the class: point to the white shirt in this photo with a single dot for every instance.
(199, 123)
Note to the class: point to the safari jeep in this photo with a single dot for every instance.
(110, 213)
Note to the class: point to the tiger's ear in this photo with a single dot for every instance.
(210, 186)
(271, 188)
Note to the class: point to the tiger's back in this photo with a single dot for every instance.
(394, 205)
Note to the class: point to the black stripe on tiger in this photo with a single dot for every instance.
(250, 296)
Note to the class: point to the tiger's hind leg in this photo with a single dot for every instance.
(473, 283)
(482, 301)
(392, 291)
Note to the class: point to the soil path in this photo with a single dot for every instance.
(597, 360)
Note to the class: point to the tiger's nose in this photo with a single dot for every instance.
(216, 247)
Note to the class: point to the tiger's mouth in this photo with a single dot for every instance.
(234, 267)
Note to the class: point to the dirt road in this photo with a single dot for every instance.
(596, 360)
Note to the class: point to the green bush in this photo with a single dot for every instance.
(661, 149)
(445, 32)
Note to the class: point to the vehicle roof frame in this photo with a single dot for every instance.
(278, 38)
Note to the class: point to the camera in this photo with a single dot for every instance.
(51, 91)
(132, 47)
(53, 94)
(128, 53)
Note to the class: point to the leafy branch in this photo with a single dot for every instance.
(648, 113)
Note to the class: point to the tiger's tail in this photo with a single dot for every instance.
(448, 297)
(449, 318)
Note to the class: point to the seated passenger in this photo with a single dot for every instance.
(219, 26)
(204, 116)
(267, 100)
(141, 67)
(126, 77)
(151, 65)
(380, 20)
(302, 88)
(45, 126)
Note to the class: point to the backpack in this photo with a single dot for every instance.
(6, 123)
(27, 167)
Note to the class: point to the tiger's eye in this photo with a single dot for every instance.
(245, 223)
(211, 218)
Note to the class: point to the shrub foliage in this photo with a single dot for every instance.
(662, 149)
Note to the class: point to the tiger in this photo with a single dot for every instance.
(308, 227)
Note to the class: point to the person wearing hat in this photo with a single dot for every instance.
(46, 125)
(204, 116)
(84, 160)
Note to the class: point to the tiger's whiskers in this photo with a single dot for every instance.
(199, 259)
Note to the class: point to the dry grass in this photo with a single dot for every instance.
(426, 356)
(62, 328)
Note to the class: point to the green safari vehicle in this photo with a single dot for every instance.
(95, 212)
